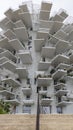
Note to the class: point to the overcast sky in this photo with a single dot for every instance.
(57, 4)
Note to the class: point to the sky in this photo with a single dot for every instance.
(57, 4)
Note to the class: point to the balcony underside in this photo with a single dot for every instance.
(58, 74)
(38, 43)
(42, 66)
(16, 44)
(9, 66)
(48, 52)
(22, 72)
(46, 101)
(26, 18)
(13, 101)
(26, 91)
(28, 102)
(64, 103)
(61, 92)
(44, 81)
(21, 33)
(6, 93)
(11, 82)
(25, 57)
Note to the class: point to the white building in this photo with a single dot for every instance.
(36, 50)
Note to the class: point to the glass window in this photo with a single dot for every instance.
(45, 88)
(28, 97)
(59, 110)
(45, 109)
(27, 109)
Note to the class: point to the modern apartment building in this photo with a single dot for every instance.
(36, 51)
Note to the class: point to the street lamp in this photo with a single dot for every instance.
(38, 111)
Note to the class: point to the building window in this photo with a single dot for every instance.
(45, 109)
(28, 97)
(43, 59)
(28, 81)
(59, 110)
(45, 88)
(27, 109)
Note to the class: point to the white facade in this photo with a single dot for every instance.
(36, 50)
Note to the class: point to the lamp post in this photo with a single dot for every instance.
(38, 111)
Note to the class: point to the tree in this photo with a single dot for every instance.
(4, 107)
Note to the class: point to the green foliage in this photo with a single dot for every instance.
(4, 107)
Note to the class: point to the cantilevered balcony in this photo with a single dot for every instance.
(4, 43)
(2, 87)
(21, 33)
(68, 28)
(28, 102)
(12, 82)
(56, 26)
(43, 92)
(63, 66)
(61, 34)
(9, 66)
(58, 74)
(3, 60)
(25, 56)
(27, 90)
(26, 18)
(43, 66)
(44, 81)
(62, 46)
(19, 23)
(70, 96)
(58, 17)
(60, 59)
(46, 24)
(22, 72)
(46, 101)
(48, 52)
(16, 44)
(12, 101)
(44, 15)
(46, 5)
(12, 15)
(70, 36)
(42, 35)
(10, 34)
(45, 10)
(9, 25)
(38, 43)
(64, 103)
(53, 40)
(63, 13)
(59, 86)
(24, 7)
(3, 22)
(6, 93)
(61, 92)
(9, 55)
